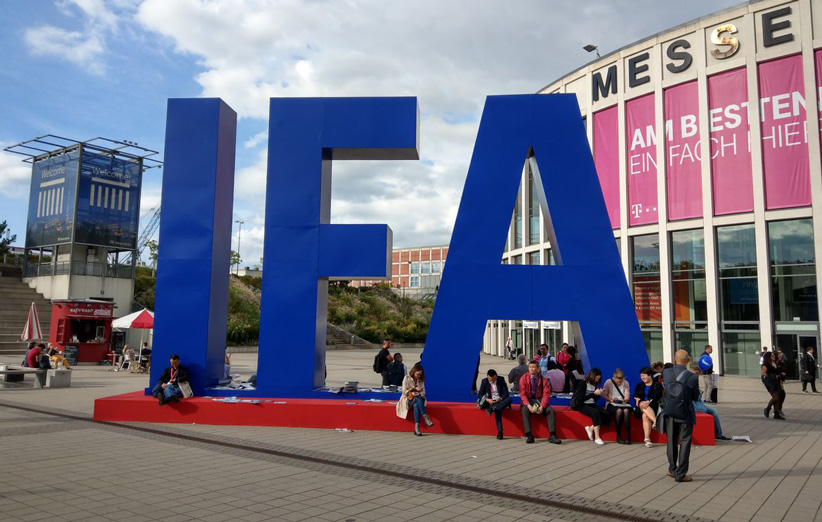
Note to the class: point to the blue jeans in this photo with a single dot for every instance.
(171, 390)
(700, 406)
(418, 406)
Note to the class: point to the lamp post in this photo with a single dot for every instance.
(591, 48)
(239, 239)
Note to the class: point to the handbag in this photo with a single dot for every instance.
(659, 425)
(481, 401)
(185, 389)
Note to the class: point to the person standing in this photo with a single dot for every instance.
(563, 358)
(808, 370)
(762, 355)
(535, 394)
(770, 378)
(706, 379)
(509, 348)
(544, 359)
(383, 358)
(493, 397)
(413, 398)
(681, 390)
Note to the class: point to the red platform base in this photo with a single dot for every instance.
(449, 417)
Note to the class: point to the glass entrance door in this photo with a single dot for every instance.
(793, 346)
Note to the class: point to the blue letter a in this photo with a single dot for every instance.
(587, 285)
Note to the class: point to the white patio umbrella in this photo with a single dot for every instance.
(32, 331)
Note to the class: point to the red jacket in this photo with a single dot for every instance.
(563, 359)
(544, 386)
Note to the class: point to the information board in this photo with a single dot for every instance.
(51, 200)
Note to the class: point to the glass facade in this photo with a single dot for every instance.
(793, 271)
(534, 220)
(690, 298)
(533, 258)
(518, 222)
(739, 298)
(647, 292)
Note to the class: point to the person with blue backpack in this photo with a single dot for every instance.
(706, 378)
(681, 390)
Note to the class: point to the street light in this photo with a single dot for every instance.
(239, 239)
(591, 48)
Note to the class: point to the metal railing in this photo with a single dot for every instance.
(82, 268)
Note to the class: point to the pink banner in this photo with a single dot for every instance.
(606, 158)
(640, 137)
(731, 176)
(818, 57)
(682, 151)
(785, 160)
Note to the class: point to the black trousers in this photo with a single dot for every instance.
(679, 446)
(599, 416)
(548, 412)
(384, 374)
(806, 380)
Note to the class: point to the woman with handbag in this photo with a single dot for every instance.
(647, 394)
(771, 379)
(585, 401)
(617, 393)
(413, 398)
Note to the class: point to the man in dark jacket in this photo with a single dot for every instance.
(517, 372)
(383, 359)
(168, 386)
(808, 370)
(493, 397)
(682, 388)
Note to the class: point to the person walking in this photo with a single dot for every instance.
(770, 378)
(617, 394)
(585, 401)
(647, 395)
(681, 390)
(413, 398)
(509, 348)
(706, 378)
(808, 366)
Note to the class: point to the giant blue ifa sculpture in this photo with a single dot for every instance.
(302, 249)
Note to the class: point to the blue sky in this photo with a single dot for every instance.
(87, 68)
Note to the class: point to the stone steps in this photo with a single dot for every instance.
(15, 300)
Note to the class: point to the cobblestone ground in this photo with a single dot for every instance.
(58, 467)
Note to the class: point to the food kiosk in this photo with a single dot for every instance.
(82, 329)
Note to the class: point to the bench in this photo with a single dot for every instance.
(42, 378)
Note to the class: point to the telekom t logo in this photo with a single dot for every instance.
(302, 250)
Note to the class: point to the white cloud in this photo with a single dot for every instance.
(450, 55)
(15, 174)
(86, 47)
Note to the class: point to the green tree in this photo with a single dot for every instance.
(5, 238)
(235, 258)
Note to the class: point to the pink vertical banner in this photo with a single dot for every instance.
(785, 161)
(731, 177)
(640, 138)
(606, 158)
(818, 57)
(682, 151)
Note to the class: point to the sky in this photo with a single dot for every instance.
(88, 68)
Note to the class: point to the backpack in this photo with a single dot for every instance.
(676, 399)
(377, 364)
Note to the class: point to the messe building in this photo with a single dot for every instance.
(706, 142)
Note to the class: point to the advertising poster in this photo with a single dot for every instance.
(682, 151)
(606, 158)
(51, 200)
(731, 177)
(785, 161)
(640, 137)
(648, 298)
(108, 202)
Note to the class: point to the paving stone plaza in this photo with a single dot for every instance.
(59, 465)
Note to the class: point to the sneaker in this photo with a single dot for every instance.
(648, 443)
(599, 441)
(590, 432)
